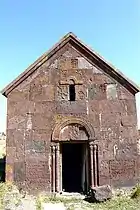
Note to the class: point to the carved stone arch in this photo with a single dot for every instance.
(81, 122)
(71, 82)
(74, 80)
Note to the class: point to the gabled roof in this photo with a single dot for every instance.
(88, 52)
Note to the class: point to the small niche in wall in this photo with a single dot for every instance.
(74, 63)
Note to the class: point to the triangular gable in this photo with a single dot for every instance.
(91, 55)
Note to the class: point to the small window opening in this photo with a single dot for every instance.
(74, 63)
(72, 92)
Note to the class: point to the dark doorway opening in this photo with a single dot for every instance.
(74, 167)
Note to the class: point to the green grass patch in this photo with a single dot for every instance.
(73, 203)
(9, 195)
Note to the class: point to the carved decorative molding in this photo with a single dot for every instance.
(73, 132)
(79, 122)
(71, 80)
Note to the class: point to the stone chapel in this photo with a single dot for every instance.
(71, 122)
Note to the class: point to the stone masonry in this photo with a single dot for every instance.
(40, 115)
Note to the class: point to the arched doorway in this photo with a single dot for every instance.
(73, 157)
(74, 150)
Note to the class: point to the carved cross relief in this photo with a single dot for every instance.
(63, 90)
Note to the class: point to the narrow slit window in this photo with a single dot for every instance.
(72, 92)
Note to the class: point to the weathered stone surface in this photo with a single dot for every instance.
(104, 172)
(62, 92)
(129, 120)
(81, 92)
(100, 194)
(29, 203)
(125, 94)
(19, 95)
(17, 122)
(35, 147)
(19, 171)
(36, 170)
(42, 135)
(122, 170)
(72, 107)
(126, 152)
(111, 91)
(53, 206)
(41, 93)
(97, 92)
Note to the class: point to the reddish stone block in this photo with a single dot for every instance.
(124, 170)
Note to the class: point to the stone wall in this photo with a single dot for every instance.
(41, 102)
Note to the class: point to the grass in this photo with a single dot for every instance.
(56, 199)
(8, 195)
(118, 203)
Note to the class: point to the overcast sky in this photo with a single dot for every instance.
(29, 28)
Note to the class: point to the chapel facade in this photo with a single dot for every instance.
(71, 122)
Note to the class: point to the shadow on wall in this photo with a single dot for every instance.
(2, 169)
